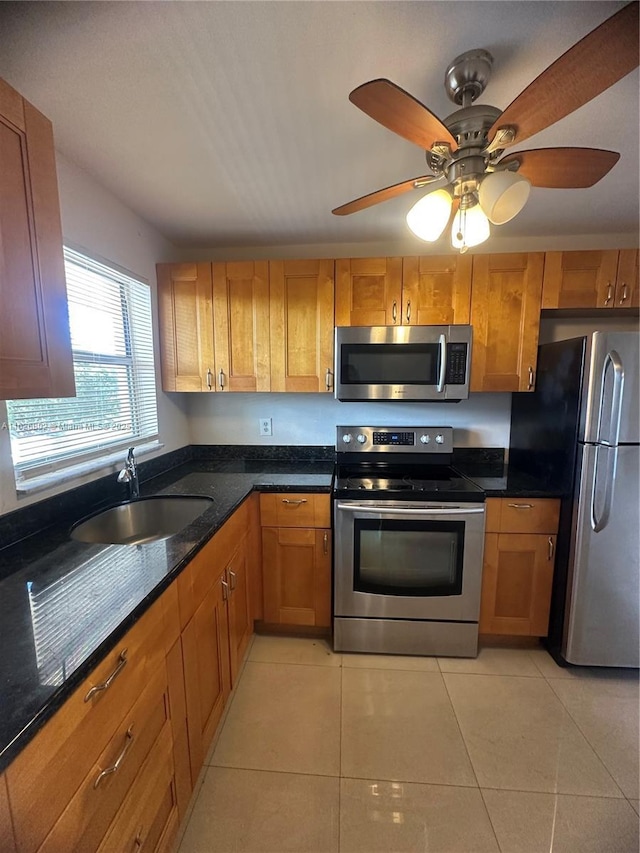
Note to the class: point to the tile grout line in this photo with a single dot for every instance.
(466, 749)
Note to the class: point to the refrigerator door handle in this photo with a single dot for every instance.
(612, 358)
(599, 524)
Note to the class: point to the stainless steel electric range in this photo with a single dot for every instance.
(408, 544)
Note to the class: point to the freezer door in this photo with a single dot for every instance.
(601, 619)
(611, 398)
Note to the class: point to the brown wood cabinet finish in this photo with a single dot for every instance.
(7, 839)
(35, 345)
(519, 557)
(301, 325)
(505, 315)
(436, 290)
(239, 603)
(368, 291)
(178, 706)
(185, 317)
(241, 325)
(295, 509)
(591, 279)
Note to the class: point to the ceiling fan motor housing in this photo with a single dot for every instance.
(467, 76)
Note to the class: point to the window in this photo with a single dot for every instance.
(115, 406)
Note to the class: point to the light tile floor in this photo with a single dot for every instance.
(326, 752)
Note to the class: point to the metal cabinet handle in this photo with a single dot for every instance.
(394, 311)
(209, 379)
(225, 590)
(409, 312)
(623, 298)
(128, 741)
(138, 840)
(221, 378)
(233, 580)
(521, 506)
(294, 503)
(325, 543)
(329, 379)
(531, 378)
(551, 549)
(122, 662)
(609, 293)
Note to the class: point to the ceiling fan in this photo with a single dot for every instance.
(464, 151)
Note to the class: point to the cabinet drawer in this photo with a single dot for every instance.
(295, 510)
(149, 812)
(48, 772)
(84, 822)
(522, 515)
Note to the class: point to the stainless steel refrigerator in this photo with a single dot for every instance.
(579, 434)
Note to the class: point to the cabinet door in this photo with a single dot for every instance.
(579, 279)
(239, 601)
(436, 290)
(205, 647)
(297, 576)
(516, 583)
(35, 344)
(7, 841)
(505, 314)
(241, 325)
(186, 326)
(627, 292)
(368, 291)
(301, 325)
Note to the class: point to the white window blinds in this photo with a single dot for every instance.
(111, 337)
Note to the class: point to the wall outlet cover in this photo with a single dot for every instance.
(265, 426)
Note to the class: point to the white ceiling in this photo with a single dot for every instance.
(228, 123)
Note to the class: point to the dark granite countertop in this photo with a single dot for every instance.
(65, 604)
(507, 482)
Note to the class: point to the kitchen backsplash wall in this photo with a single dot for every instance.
(218, 418)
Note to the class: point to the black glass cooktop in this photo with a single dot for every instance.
(414, 482)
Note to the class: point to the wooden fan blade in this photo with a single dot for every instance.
(563, 167)
(400, 112)
(596, 62)
(383, 195)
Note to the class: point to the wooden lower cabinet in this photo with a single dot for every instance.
(519, 558)
(296, 559)
(239, 607)
(7, 839)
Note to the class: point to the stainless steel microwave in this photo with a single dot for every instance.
(402, 363)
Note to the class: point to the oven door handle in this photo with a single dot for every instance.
(385, 510)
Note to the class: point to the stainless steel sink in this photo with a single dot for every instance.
(143, 520)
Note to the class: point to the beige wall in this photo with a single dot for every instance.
(94, 220)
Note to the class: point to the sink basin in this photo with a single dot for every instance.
(142, 520)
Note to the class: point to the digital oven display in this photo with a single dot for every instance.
(394, 438)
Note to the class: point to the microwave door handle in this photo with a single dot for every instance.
(443, 362)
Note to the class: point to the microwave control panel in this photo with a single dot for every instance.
(456, 373)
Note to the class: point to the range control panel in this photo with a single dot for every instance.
(358, 439)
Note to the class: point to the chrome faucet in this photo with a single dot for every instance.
(129, 474)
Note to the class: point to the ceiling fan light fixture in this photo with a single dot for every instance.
(470, 228)
(502, 195)
(428, 217)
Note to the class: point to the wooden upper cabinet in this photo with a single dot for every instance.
(436, 290)
(35, 345)
(241, 325)
(186, 326)
(505, 314)
(368, 291)
(301, 325)
(591, 279)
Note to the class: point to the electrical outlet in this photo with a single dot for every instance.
(265, 426)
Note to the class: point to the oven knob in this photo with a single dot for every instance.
(425, 439)
(439, 439)
(361, 438)
(346, 438)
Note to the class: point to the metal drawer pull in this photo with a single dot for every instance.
(531, 378)
(221, 378)
(116, 764)
(408, 312)
(623, 297)
(209, 379)
(122, 658)
(325, 543)
(294, 503)
(521, 506)
(138, 840)
(232, 580)
(329, 379)
(394, 311)
(609, 293)
(225, 590)
(550, 557)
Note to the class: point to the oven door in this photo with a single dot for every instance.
(397, 560)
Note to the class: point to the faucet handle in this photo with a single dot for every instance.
(130, 457)
(125, 476)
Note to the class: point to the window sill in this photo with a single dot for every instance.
(108, 464)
